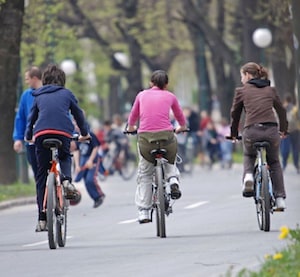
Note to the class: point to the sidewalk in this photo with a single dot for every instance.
(27, 200)
(17, 202)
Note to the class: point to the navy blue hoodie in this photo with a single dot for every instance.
(50, 112)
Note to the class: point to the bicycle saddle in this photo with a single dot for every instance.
(155, 152)
(52, 142)
(264, 144)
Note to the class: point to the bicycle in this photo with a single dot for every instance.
(123, 161)
(55, 203)
(263, 190)
(161, 198)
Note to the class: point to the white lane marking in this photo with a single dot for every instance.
(40, 243)
(193, 206)
(128, 221)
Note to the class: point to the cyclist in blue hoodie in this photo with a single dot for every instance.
(50, 118)
(33, 78)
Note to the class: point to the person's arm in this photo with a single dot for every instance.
(236, 110)
(31, 121)
(76, 157)
(90, 162)
(134, 115)
(281, 111)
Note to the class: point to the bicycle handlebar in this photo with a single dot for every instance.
(135, 132)
(233, 138)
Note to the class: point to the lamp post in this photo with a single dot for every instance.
(262, 38)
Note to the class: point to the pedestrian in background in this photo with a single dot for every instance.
(33, 76)
(86, 162)
(291, 143)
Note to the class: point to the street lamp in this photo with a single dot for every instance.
(262, 38)
(68, 66)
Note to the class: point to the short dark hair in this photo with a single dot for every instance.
(34, 71)
(53, 75)
(160, 79)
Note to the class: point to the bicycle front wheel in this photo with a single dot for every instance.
(160, 207)
(51, 211)
(62, 221)
(263, 205)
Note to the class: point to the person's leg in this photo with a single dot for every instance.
(295, 142)
(249, 137)
(65, 158)
(43, 156)
(274, 163)
(143, 195)
(31, 157)
(284, 151)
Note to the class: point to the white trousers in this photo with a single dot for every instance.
(143, 194)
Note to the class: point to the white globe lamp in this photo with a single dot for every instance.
(262, 37)
(68, 66)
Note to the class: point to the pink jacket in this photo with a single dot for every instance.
(152, 107)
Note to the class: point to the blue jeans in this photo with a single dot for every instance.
(288, 144)
(90, 180)
(31, 158)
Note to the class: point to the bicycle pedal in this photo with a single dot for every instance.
(248, 193)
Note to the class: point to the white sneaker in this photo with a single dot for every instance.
(248, 183)
(144, 216)
(41, 226)
(279, 204)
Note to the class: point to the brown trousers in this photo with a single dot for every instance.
(264, 133)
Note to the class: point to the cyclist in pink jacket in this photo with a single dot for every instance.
(152, 108)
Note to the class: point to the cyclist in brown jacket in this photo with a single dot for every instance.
(258, 100)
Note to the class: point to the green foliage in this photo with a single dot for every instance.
(16, 190)
(282, 263)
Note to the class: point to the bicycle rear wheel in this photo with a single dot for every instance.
(51, 211)
(160, 207)
(263, 205)
(128, 166)
(62, 223)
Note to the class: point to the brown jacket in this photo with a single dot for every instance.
(258, 104)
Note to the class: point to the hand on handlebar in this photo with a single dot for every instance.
(84, 138)
(181, 129)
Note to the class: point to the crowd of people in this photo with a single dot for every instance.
(208, 138)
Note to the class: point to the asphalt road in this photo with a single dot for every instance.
(212, 230)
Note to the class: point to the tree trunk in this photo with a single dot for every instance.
(11, 20)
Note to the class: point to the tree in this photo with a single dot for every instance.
(11, 20)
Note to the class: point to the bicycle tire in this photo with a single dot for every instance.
(128, 167)
(263, 205)
(266, 199)
(62, 223)
(51, 211)
(161, 202)
(188, 163)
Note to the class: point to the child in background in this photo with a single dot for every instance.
(86, 166)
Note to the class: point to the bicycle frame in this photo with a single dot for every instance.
(260, 163)
(159, 194)
(263, 197)
(55, 168)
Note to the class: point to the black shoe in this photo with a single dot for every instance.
(175, 192)
(99, 201)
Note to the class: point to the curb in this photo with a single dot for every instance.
(17, 202)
